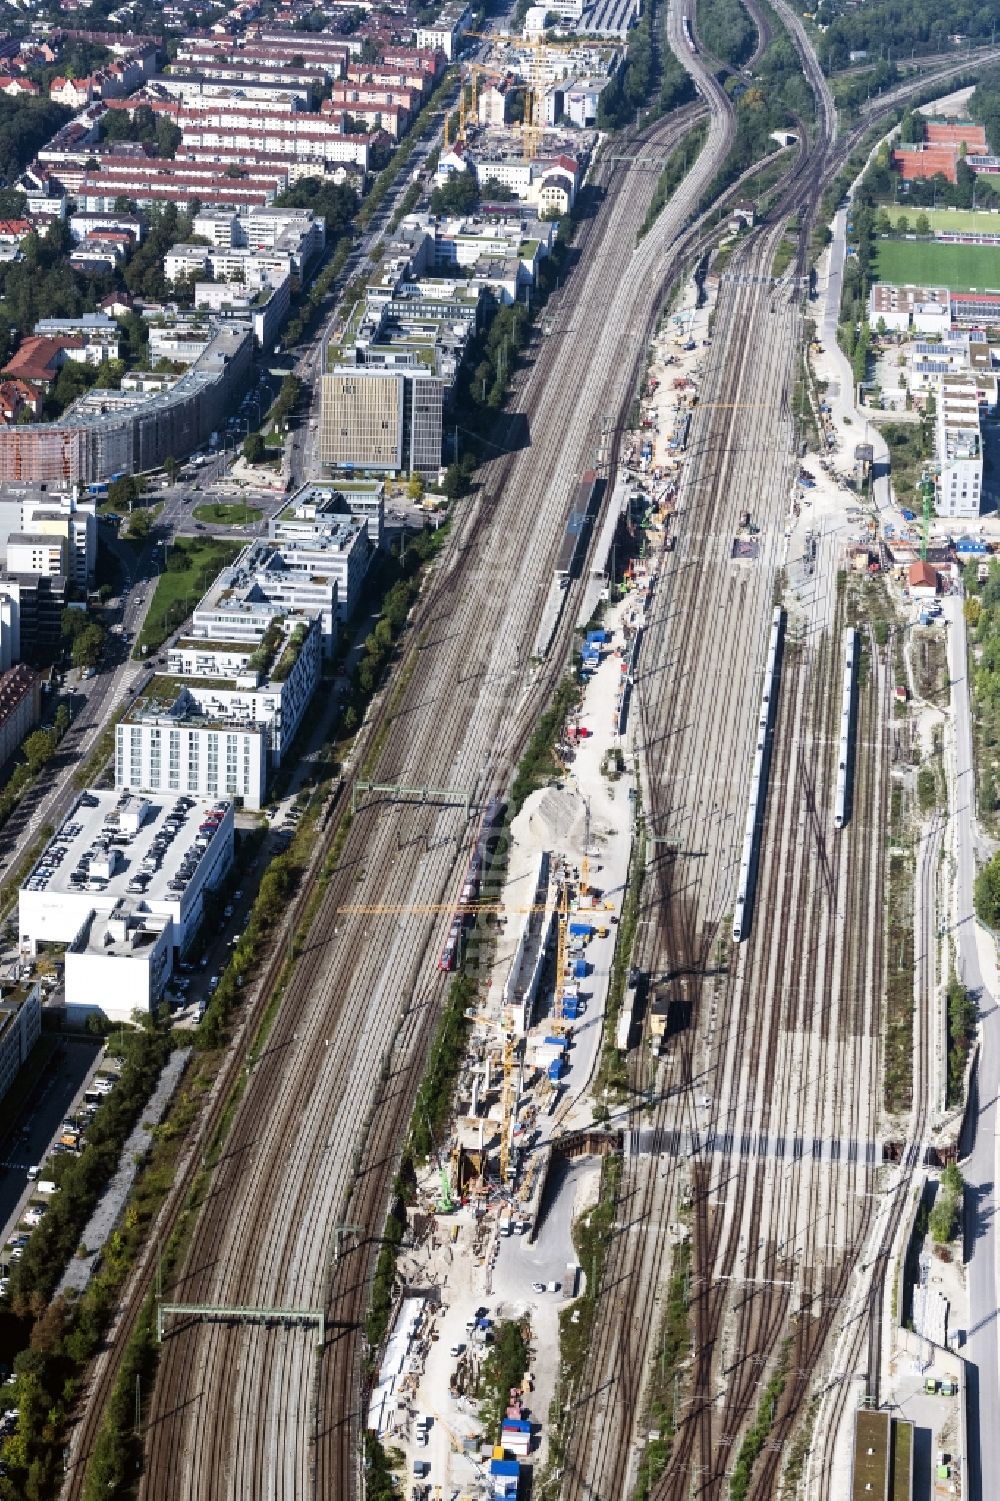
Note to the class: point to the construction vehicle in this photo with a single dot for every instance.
(445, 1203)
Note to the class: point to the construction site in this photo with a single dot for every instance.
(490, 1240)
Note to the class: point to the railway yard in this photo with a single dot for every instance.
(710, 1089)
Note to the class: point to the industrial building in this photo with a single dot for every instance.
(123, 883)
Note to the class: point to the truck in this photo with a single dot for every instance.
(569, 1279)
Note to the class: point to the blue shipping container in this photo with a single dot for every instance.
(580, 969)
(555, 1068)
(581, 929)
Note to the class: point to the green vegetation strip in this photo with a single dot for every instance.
(945, 1217)
(961, 1031)
(899, 984)
(982, 616)
(191, 565)
(674, 1348)
(225, 513)
(538, 764)
(681, 159)
(54, 1340)
(503, 1369)
(726, 31)
(756, 1438)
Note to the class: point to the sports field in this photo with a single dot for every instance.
(942, 219)
(925, 263)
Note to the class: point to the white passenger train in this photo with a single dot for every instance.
(758, 782)
(842, 807)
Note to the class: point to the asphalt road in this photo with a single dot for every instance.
(980, 1167)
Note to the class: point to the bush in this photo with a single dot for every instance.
(986, 893)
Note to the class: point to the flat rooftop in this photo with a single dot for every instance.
(103, 824)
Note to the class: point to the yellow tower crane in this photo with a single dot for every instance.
(508, 1101)
(475, 71)
(534, 96)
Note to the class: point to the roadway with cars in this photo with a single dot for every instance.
(980, 1167)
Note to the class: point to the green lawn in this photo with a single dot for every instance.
(924, 263)
(947, 218)
(179, 589)
(225, 513)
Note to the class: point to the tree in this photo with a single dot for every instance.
(415, 488)
(38, 748)
(72, 623)
(123, 492)
(170, 468)
(253, 448)
(88, 648)
(987, 893)
(139, 526)
(902, 225)
(454, 482)
(109, 376)
(922, 225)
(459, 194)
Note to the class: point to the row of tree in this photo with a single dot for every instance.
(884, 28)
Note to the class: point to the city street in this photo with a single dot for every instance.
(980, 1166)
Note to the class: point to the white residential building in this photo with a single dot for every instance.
(28, 552)
(959, 447)
(233, 687)
(180, 750)
(20, 1029)
(40, 523)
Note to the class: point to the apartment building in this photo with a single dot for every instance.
(20, 1029)
(59, 523)
(180, 749)
(20, 708)
(959, 447)
(446, 32)
(316, 509)
(98, 438)
(253, 269)
(251, 661)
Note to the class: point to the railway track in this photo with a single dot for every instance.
(737, 1064)
(238, 1412)
(242, 1410)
